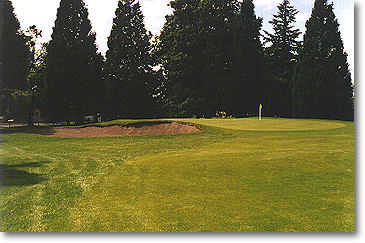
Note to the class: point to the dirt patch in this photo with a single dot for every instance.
(137, 129)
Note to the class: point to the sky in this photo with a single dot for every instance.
(42, 13)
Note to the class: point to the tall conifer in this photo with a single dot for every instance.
(129, 63)
(197, 48)
(282, 55)
(14, 53)
(14, 57)
(249, 87)
(180, 52)
(220, 22)
(323, 85)
(74, 67)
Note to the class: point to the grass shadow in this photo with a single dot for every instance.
(30, 130)
(12, 175)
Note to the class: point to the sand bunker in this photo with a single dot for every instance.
(137, 129)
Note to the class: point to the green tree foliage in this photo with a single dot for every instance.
(249, 91)
(212, 57)
(323, 84)
(209, 58)
(14, 53)
(37, 56)
(35, 70)
(74, 67)
(37, 77)
(180, 52)
(282, 57)
(14, 57)
(128, 66)
(219, 24)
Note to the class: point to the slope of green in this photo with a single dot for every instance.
(218, 180)
(269, 124)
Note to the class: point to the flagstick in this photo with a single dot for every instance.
(260, 112)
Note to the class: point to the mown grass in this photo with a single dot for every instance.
(235, 175)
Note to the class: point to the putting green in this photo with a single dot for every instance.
(269, 124)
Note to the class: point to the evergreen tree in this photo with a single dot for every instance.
(14, 56)
(248, 63)
(179, 49)
(74, 68)
(220, 24)
(282, 56)
(14, 53)
(129, 64)
(323, 85)
(197, 49)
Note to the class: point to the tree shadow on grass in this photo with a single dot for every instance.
(31, 130)
(13, 175)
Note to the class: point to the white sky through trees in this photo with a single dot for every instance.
(42, 13)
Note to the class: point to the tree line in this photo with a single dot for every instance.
(211, 55)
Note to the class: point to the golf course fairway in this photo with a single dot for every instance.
(235, 175)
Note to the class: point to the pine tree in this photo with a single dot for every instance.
(323, 85)
(220, 24)
(14, 53)
(248, 63)
(213, 57)
(197, 55)
(179, 50)
(74, 68)
(129, 64)
(14, 57)
(282, 56)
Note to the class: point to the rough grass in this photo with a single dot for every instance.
(236, 175)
